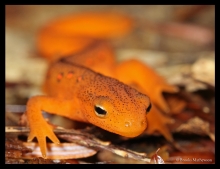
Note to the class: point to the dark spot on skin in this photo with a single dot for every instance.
(48, 75)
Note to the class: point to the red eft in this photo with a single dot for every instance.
(88, 85)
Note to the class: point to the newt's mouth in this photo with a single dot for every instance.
(131, 133)
(131, 130)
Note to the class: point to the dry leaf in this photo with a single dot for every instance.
(196, 126)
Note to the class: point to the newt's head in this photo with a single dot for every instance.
(116, 107)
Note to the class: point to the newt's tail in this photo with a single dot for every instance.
(72, 33)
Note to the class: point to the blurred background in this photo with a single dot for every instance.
(178, 41)
(175, 33)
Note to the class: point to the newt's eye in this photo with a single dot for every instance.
(148, 109)
(99, 111)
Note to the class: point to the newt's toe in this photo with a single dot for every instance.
(159, 99)
(41, 132)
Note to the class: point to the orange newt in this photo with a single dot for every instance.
(83, 86)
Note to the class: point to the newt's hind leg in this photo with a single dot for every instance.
(146, 80)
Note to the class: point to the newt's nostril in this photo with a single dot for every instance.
(127, 124)
(143, 123)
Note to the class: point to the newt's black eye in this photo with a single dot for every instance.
(99, 111)
(148, 109)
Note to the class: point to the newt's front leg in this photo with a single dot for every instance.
(158, 121)
(144, 79)
(39, 128)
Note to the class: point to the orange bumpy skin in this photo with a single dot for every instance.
(83, 86)
(80, 94)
